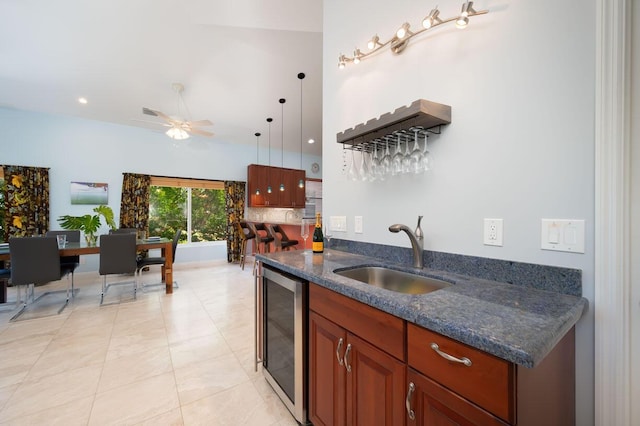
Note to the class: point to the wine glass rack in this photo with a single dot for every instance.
(421, 114)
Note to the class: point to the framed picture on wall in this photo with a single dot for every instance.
(89, 193)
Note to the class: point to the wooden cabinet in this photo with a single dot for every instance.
(369, 367)
(261, 177)
(431, 404)
(352, 381)
(455, 384)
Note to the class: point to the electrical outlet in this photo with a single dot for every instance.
(493, 232)
(338, 223)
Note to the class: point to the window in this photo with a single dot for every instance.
(197, 206)
(2, 207)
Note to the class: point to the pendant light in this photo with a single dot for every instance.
(258, 156)
(282, 101)
(301, 77)
(269, 120)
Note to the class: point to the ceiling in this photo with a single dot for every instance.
(236, 59)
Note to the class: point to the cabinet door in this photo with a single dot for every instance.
(286, 196)
(327, 343)
(375, 385)
(298, 194)
(273, 180)
(435, 405)
(256, 180)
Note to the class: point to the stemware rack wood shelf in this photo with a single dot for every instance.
(420, 115)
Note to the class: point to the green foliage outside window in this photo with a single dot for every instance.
(168, 212)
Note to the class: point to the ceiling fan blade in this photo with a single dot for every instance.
(200, 132)
(151, 122)
(200, 123)
(149, 111)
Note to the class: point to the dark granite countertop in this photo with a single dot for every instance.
(515, 323)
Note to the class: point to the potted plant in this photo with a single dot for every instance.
(89, 224)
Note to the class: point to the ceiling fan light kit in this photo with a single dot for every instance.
(180, 128)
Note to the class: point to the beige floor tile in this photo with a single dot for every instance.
(187, 352)
(141, 357)
(136, 343)
(136, 402)
(170, 418)
(238, 406)
(52, 391)
(132, 368)
(208, 377)
(74, 413)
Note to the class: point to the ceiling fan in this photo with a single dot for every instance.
(180, 128)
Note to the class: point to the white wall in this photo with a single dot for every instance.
(520, 81)
(92, 151)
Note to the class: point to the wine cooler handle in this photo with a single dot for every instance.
(338, 349)
(346, 357)
(410, 412)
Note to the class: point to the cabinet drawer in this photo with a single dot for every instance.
(379, 328)
(488, 382)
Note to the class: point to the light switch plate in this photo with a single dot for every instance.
(562, 235)
(338, 223)
(357, 224)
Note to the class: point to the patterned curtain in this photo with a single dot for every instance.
(26, 201)
(134, 205)
(234, 198)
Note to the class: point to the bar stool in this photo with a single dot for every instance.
(263, 239)
(282, 241)
(246, 234)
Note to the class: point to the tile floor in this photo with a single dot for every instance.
(180, 359)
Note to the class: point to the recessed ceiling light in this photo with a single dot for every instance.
(82, 100)
(311, 141)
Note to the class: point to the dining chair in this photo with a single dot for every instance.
(117, 257)
(245, 234)
(34, 261)
(281, 240)
(124, 231)
(68, 264)
(149, 261)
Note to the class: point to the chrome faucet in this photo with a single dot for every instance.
(417, 240)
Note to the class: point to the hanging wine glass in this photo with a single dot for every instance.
(416, 157)
(425, 152)
(365, 174)
(396, 161)
(406, 158)
(386, 158)
(374, 167)
(352, 174)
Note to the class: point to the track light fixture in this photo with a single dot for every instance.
(401, 38)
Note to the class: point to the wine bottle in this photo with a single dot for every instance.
(318, 238)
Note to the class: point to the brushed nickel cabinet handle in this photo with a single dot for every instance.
(410, 412)
(338, 348)
(346, 357)
(466, 361)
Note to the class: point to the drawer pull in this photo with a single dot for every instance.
(410, 412)
(466, 361)
(338, 349)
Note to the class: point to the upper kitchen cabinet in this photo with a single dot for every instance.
(260, 178)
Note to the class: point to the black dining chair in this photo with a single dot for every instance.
(34, 261)
(149, 261)
(68, 264)
(117, 257)
(124, 231)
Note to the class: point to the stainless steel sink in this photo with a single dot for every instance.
(390, 279)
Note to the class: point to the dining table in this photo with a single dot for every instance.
(82, 248)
